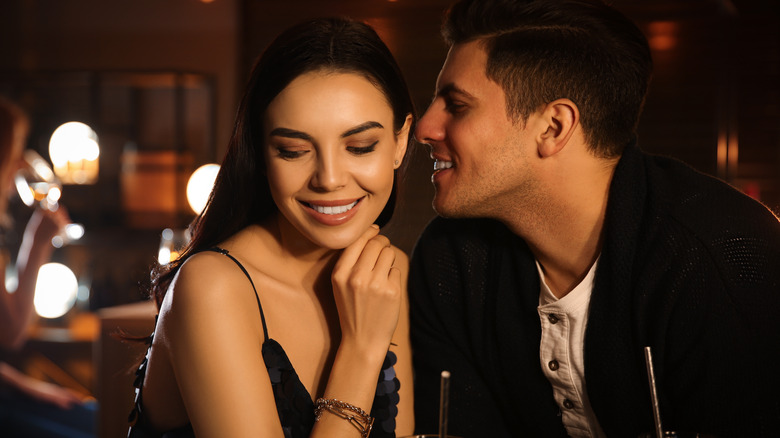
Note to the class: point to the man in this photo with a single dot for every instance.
(567, 250)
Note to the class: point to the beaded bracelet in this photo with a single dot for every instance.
(356, 416)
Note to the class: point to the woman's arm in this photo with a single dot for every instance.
(403, 350)
(367, 288)
(16, 310)
(210, 326)
(39, 390)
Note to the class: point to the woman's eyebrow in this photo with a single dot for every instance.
(289, 133)
(362, 127)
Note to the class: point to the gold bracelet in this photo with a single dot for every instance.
(356, 416)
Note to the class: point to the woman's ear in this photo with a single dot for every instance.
(560, 117)
(402, 142)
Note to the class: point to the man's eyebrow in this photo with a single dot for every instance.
(289, 133)
(452, 89)
(361, 127)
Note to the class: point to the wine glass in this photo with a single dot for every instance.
(37, 184)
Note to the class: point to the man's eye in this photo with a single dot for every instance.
(454, 107)
(362, 150)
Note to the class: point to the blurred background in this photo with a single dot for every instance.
(158, 83)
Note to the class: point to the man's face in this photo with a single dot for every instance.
(482, 157)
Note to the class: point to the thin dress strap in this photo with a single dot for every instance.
(257, 297)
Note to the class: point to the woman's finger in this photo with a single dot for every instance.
(351, 253)
(368, 258)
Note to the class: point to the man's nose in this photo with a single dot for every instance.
(430, 127)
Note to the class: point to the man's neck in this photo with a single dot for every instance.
(566, 233)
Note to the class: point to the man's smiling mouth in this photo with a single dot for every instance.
(441, 164)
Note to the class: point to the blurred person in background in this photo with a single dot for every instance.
(29, 407)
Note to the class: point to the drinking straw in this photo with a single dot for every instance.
(444, 403)
(659, 431)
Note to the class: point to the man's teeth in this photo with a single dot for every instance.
(333, 210)
(439, 165)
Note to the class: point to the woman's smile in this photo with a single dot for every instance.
(332, 213)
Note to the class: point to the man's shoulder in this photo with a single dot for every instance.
(461, 230)
(704, 218)
(458, 241)
(704, 203)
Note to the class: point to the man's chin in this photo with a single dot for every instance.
(446, 211)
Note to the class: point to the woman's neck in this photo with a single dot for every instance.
(282, 251)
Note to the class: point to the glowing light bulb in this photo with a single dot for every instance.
(199, 186)
(74, 153)
(55, 290)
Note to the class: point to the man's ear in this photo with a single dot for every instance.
(402, 141)
(560, 118)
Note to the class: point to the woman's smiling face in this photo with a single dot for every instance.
(331, 153)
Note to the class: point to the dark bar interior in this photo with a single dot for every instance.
(159, 82)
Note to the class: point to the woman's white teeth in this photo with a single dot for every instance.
(338, 209)
(439, 165)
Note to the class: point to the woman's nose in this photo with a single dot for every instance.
(330, 173)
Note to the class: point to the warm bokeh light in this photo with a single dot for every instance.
(55, 291)
(71, 233)
(166, 245)
(74, 153)
(172, 242)
(199, 186)
(662, 35)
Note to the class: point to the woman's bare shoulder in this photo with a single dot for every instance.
(209, 269)
(209, 281)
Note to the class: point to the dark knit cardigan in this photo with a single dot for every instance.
(689, 266)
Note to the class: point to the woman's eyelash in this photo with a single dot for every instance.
(361, 150)
(289, 154)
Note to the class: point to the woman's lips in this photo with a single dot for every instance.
(332, 213)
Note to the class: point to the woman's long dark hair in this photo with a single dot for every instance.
(241, 195)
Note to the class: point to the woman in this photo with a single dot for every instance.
(287, 293)
(30, 407)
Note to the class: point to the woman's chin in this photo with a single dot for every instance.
(338, 240)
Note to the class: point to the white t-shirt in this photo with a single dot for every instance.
(561, 353)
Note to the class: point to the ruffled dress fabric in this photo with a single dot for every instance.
(295, 405)
(293, 402)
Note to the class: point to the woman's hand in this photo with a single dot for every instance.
(44, 392)
(367, 289)
(44, 224)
